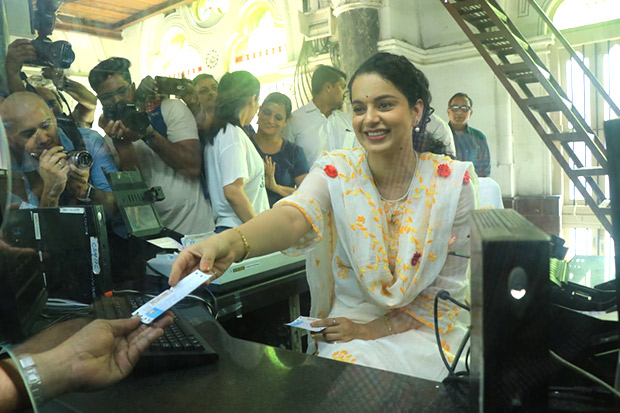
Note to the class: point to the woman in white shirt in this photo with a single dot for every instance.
(234, 169)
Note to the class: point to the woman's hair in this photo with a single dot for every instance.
(280, 99)
(202, 76)
(232, 94)
(408, 79)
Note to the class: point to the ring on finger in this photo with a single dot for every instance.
(334, 322)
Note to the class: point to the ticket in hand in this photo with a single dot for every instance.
(304, 322)
(160, 304)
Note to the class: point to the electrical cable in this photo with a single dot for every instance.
(467, 359)
(584, 373)
(438, 338)
(445, 295)
(458, 353)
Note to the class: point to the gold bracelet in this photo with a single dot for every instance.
(386, 317)
(246, 246)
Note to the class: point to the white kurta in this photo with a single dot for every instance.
(367, 256)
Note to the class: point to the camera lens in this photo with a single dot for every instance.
(81, 159)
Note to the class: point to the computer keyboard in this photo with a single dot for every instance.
(181, 346)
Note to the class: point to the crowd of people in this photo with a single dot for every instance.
(375, 199)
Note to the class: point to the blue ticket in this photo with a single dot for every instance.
(162, 303)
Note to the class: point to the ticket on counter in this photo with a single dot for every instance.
(304, 322)
(162, 303)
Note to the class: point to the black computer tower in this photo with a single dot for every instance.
(509, 313)
(71, 244)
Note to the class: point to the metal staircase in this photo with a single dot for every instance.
(538, 94)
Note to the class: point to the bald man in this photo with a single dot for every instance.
(37, 149)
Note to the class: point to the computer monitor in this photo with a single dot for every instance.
(72, 248)
(22, 289)
(509, 313)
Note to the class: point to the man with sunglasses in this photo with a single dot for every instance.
(38, 150)
(165, 148)
(471, 144)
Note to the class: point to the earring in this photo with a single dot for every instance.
(416, 127)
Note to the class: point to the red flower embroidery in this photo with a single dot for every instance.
(444, 170)
(466, 178)
(416, 258)
(331, 171)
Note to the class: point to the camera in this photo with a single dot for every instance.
(49, 53)
(55, 54)
(128, 114)
(80, 158)
(172, 86)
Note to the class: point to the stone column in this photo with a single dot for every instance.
(358, 31)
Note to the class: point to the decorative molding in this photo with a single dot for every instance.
(451, 53)
(523, 9)
(341, 6)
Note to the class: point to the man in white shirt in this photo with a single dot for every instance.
(165, 148)
(320, 124)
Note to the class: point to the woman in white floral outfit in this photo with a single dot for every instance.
(378, 223)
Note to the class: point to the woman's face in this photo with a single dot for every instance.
(382, 118)
(271, 118)
(207, 92)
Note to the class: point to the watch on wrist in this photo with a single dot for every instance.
(87, 199)
(32, 380)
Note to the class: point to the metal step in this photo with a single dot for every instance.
(547, 104)
(522, 73)
(594, 171)
(570, 137)
(605, 206)
(472, 12)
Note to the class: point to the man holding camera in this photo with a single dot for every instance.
(20, 52)
(57, 175)
(162, 143)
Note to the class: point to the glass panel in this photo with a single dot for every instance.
(575, 13)
(611, 67)
(578, 91)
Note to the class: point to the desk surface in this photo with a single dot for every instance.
(251, 377)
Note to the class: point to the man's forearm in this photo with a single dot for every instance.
(127, 154)
(12, 388)
(178, 157)
(48, 199)
(81, 94)
(106, 199)
(14, 81)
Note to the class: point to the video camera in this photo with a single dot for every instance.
(49, 53)
(130, 116)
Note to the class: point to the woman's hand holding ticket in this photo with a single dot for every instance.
(211, 255)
